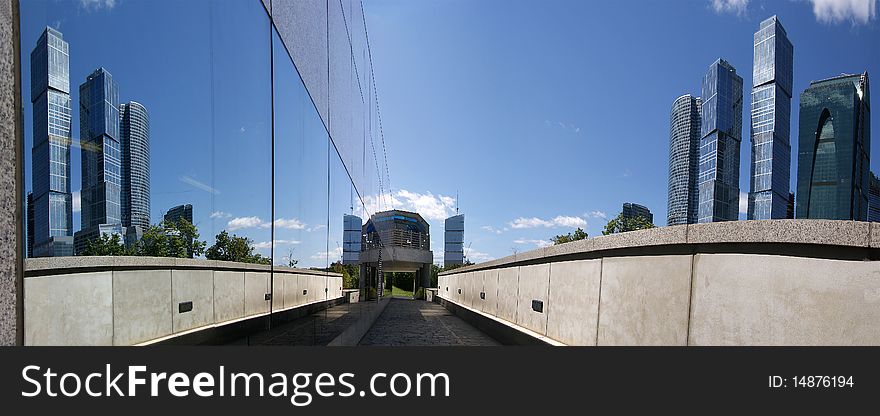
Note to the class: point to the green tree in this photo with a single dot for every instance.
(105, 245)
(621, 224)
(578, 234)
(170, 239)
(234, 248)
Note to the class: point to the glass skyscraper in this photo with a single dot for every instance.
(874, 198)
(684, 154)
(771, 122)
(453, 252)
(834, 148)
(351, 239)
(101, 157)
(632, 210)
(721, 130)
(50, 96)
(134, 133)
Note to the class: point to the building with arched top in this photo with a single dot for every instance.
(684, 155)
(834, 149)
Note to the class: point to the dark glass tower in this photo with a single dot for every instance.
(684, 155)
(134, 133)
(101, 158)
(721, 129)
(453, 252)
(771, 122)
(50, 96)
(834, 147)
(632, 210)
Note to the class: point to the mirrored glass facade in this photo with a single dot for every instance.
(834, 147)
(51, 216)
(135, 148)
(770, 122)
(721, 130)
(684, 155)
(453, 252)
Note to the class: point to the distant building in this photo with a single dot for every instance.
(134, 145)
(351, 239)
(874, 199)
(453, 252)
(684, 155)
(101, 164)
(834, 147)
(789, 211)
(771, 122)
(52, 219)
(721, 129)
(30, 224)
(633, 211)
(179, 212)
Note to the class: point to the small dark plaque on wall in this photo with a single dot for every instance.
(459, 291)
(482, 295)
(305, 291)
(184, 307)
(538, 306)
(268, 296)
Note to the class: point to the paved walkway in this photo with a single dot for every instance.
(317, 329)
(416, 322)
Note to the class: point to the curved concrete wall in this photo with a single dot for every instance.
(799, 282)
(135, 300)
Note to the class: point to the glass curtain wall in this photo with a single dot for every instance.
(271, 136)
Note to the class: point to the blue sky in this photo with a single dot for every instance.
(546, 115)
(541, 116)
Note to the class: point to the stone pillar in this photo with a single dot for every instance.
(11, 180)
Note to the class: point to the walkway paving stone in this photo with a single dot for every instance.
(420, 323)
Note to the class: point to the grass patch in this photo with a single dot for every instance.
(396, 291)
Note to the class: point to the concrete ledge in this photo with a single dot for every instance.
(57, 265)
(502, 331)
(790, 237)
(353, 334)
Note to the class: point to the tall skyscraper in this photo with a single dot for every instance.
(834, 148)
(771, 122)
(30, 224)
(721, 130)
(684, 155)
(874, 199)
(50, 96)
(101, 162)
(351, 239)
(179, 212)
(453, 253)
(134, 134)
(633, 211)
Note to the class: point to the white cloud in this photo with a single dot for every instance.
(563, 126)
(290, 224)
(317, 227)
(837, 11)
(737, 7)
(244, 222)
(268, 244)
(558, 221)
(220, 214)
(328, 255)
(97, 4)
(743, 203)
(539, 243)
(598, 214)
(476, 256)
(199, 185)
(491, 229)
(428, 205)
(77, 207)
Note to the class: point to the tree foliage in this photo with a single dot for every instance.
(621, 224)
(350, 274)
(106, 245)
(170, 239)
(234, 248)
(578, 234)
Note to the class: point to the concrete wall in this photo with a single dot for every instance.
(116, 306)
(11, 238)
(645, 296)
